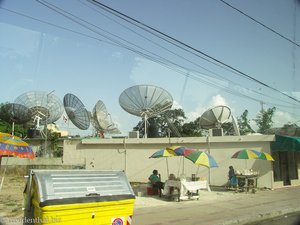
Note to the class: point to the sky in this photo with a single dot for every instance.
(203, 52)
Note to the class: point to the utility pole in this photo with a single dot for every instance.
(262, 105)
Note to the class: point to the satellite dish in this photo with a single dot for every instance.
(15, 113)
(145, 101)
(44, 105)
(214, 117)
(76, 111)
(100, 116)
(101, 119)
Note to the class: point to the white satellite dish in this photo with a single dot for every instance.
(101, 119)
(145, 101)
(214, 117)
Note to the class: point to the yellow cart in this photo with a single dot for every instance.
(70, 197)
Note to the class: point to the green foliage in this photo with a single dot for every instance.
(7, 127)
(53, 138)
(264, 119)
(167, 123)
(244, 124)
(20, 130)
(171, 123)
(228, 129)
(192, 129)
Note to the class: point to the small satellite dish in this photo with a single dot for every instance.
(100, 116)
(76, 111)
(101, 119)
(42, 104)
(145, 101)
(214, 117)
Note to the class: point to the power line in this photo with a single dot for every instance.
(109, 9)
(51, 24)
(159, 60)
(260, 23)
(174, 53)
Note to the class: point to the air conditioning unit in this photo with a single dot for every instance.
(133, 134)
(216, 132)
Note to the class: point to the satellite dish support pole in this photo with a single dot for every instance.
(125, 155)
(145, 120)
(13, 128)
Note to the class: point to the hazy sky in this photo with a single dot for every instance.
(74, 46)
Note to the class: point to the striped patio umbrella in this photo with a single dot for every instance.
(181, 150)
(11, 145)
(14, 146)
(202, 158)
(246, 154)
(164, 153)
(265, 156)
(252, 154)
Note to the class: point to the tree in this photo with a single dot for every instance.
(192, 129)
(168, 123)
(53, 138)
(6, 126)
(244, 123)
(264, 119)
(228, 128)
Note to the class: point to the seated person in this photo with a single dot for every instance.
(232, 177)
(155, 181)
(170, 190)
(172, 177)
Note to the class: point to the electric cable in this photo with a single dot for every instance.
(196, 50)
(147, 56)
(260, 23)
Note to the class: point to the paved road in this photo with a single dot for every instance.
(289, 219)
(254, 207)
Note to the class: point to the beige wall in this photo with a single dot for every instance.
(132, 155)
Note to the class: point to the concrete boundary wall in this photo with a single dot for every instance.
(132, 156)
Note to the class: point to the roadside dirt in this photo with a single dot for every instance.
(11, 196)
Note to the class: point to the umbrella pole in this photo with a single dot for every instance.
(2, 180)
(182, 165)
(197, 171)
(209, 174)
(167, 166)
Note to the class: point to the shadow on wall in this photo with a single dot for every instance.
(262, 166)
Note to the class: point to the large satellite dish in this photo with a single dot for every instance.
(101, 119)
(214, 117)
(15, 113)
(145, 101)
(45, 107)
(76, 111)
